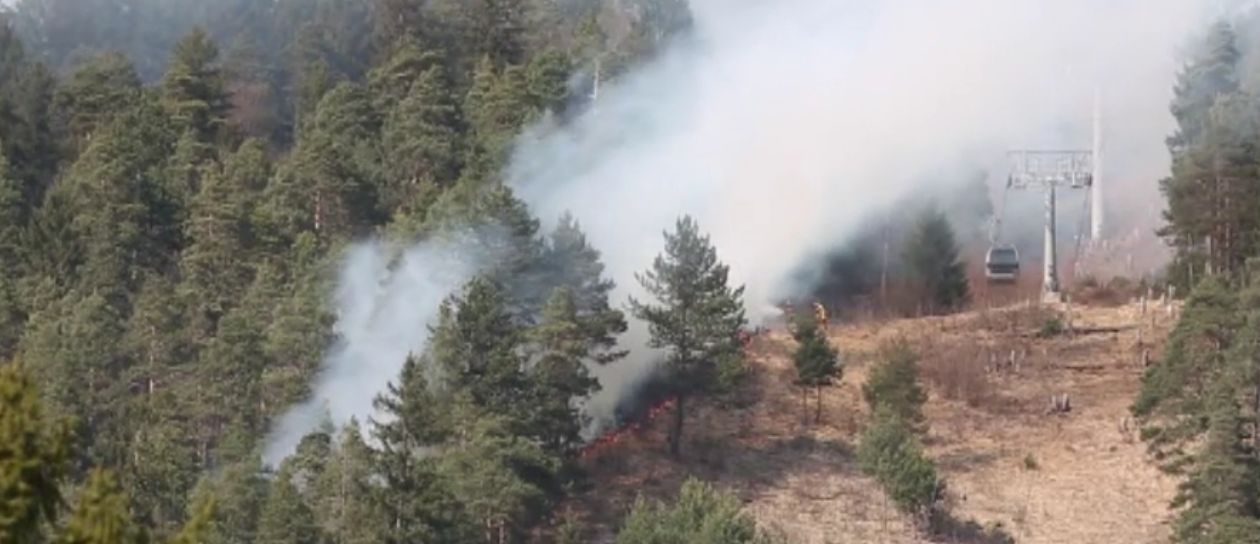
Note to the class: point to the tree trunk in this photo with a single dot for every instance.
(818, 406)
(676, 430)
(804, 404)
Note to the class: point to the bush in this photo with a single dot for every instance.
(957, 372)
(730, 373)
(1117, 291)
(1050, 327)
(952, 529)
(891, 454)
(893, 385)
(701, 515)
(1030, 462)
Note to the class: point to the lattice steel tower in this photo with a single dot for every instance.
(1049, 170)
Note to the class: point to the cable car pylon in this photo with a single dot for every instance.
(1050, 170)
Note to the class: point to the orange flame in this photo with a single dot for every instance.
(636, 427)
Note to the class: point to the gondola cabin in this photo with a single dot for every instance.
(1001, 264)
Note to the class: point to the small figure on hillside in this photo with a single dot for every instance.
(820, 315)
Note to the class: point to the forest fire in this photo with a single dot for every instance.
(633, 427)
(635, 424)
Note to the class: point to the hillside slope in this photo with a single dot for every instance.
(1079, 477)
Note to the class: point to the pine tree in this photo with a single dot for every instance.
(156, 340)
(392, 80)
(499, 27)
(123, 220)
(215, 264)
(1211, 192)
(547, 77)
(72, 348)
(1219, 499)
(34, 455)
(1212, 73)
(193, 88)
(476, 346)
(100, 515)
(893, 385)
(931, 258)
(12, 221)
(285, 517)
(890, 452)
(696, 317)
(422, 145)
(95, 93)
(570, 262)
(496, 107)
(256, 102)
(495, 220)
(313, 79)
(817, 362)
(230, 369)
(26, 122)
(417, 504)
(494, 474)
(162, 465)
(329, 185)
(1244, 354)
(345, 490)
(12, 315)
(199, 527)
(1172, 401)
(399, 21)
(12, 217)
(237, 493)
(299, 328)
(560, 376)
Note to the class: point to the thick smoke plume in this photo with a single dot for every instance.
(385, 303)
(780, 125)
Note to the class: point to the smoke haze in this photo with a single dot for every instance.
(385, 304)
(780, 125)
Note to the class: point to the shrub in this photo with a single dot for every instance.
(893, 384)
(701, 515)
(952, 529)
(1050, 327)
(730, 372)
(957, 372)
(891, 454)
(1030, 462)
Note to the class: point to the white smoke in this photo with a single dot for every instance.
(779, 124)
(385, 303)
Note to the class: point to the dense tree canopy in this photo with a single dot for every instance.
(177, 181)
(179, 178)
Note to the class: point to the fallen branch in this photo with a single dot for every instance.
(1085, 368)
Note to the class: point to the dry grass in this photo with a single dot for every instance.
(1092, 482)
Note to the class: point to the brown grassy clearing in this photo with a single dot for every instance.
(1080, 477)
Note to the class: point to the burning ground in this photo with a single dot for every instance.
(1078, 477)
